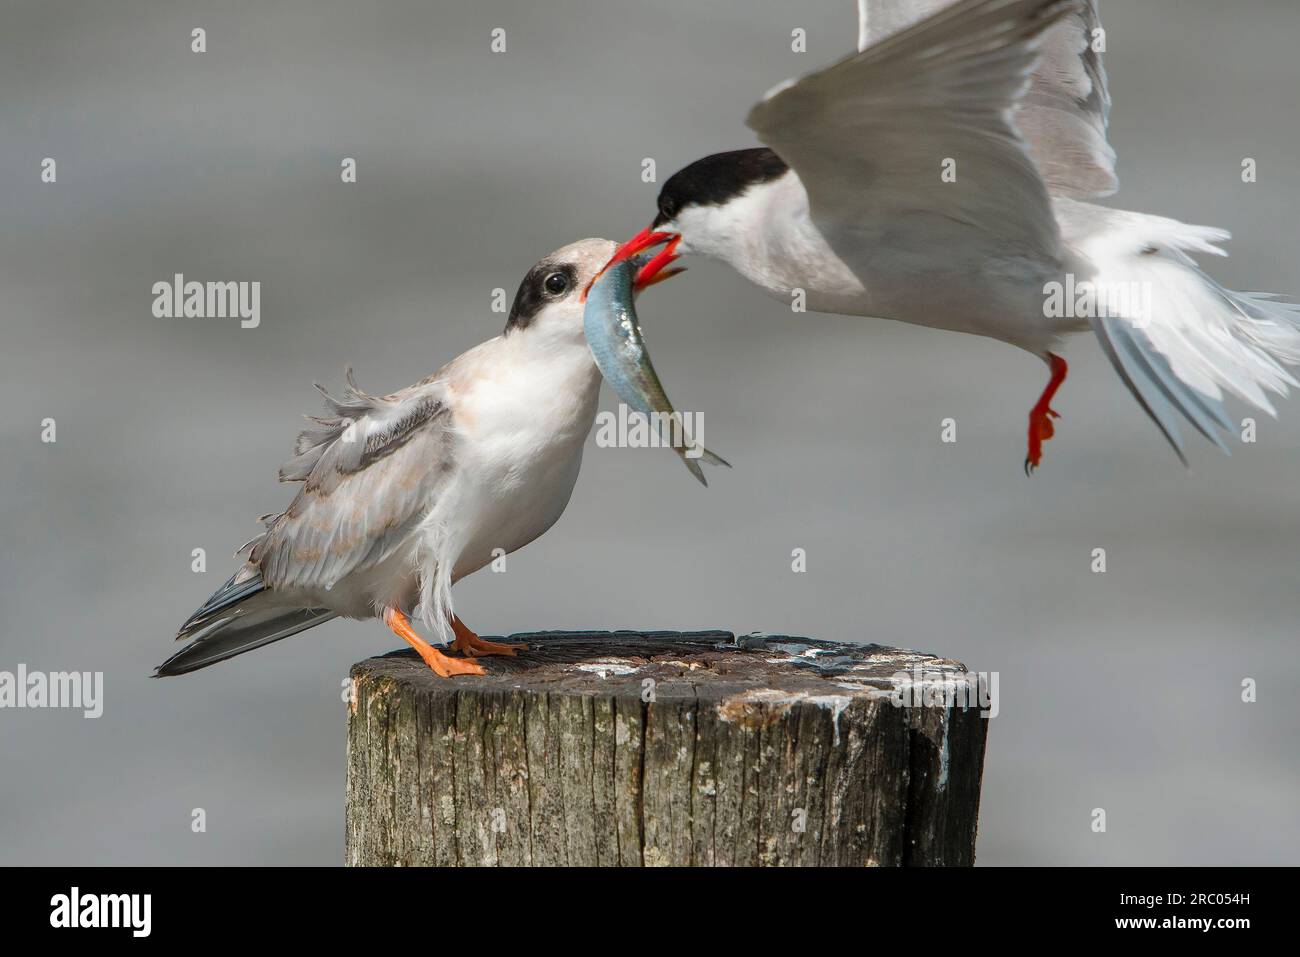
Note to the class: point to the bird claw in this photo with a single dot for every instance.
(477, 647)
(1040, 431)
(1042, 414)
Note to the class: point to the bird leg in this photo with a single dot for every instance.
(471, 645)
(1041, 415)
(435, 659)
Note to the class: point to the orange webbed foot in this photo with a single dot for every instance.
(441, 664)
(470, 644)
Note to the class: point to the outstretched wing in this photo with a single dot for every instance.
(869, 138)
(1064, 114)
(370, 472)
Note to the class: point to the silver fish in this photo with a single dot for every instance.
(614, 336)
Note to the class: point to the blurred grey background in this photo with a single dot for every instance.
(1119, 691)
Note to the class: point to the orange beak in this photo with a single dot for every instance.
(653, 271)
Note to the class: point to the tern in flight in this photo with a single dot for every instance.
(941, 177)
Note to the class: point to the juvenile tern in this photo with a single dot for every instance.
(939, 177)
(405, 494)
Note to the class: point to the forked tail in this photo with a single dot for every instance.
(693, 456)
(1177, 338)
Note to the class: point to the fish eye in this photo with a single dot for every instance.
(557, 283)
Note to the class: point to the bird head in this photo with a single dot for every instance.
(552, 297)
(705, 208)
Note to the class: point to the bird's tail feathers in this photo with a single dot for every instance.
(240, 616)
(1179, 339)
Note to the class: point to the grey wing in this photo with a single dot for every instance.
(1064, 115)
(370, 473)
(888, 116)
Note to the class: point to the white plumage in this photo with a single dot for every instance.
(937, 177)
(407, 493)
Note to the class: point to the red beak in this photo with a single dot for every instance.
(653, 271)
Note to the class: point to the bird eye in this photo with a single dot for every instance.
(667, 211)
(557, 283)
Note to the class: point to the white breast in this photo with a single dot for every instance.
(522, 420)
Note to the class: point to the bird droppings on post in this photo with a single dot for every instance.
(792, 648)
(607, 668)
(632, 748)
(942, 783)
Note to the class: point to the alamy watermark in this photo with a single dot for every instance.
(208, 300)
(128, 911)
(933, 688)
(1086, 299)
(55, 689)
(630, 429)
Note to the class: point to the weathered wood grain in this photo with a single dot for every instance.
(618, 748)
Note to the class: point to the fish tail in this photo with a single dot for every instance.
(692, 461)
(712, 458)
(693, 466)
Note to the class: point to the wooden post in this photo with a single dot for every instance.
(617, 748)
